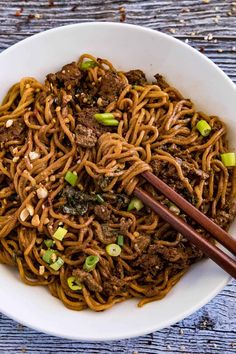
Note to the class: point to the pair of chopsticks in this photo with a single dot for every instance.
(209, 249)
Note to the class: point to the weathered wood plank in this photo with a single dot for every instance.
(211, 330)
(217, 17)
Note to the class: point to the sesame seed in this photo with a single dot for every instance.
(220, 50)
(172, 30)
(186, 40)
(206, 1)
(181, 331)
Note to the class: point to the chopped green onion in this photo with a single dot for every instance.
(71, 178)
(228, 159)
(60, 233)
(135, 204)
(99, 198)
(120, 240)
(110, 122)
(49, 243)
(174, 208)
(88, 64)
(58, 264)
(203, 127)
(100, 117)
(90, 263)
(107, 119)
(47, 256)
(113, 250)
(73, 285)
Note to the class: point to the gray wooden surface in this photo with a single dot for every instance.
(211, 330)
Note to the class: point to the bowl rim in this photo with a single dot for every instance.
(152, 328)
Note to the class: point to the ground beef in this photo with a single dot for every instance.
(122, 201)
(141, 243)
(87, 279)
(109, 235)
(102, 212)
(148, 262)
(16, 131)
(125, 225)
(85, 136)
(86, 118)
(110, 87)
(161, 81)
(225, 217)
(114, 286)
(68, 77)
(171, 254)
(136, 77)
(189, 170)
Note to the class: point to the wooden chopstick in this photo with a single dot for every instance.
(216, 231)
(209, 249)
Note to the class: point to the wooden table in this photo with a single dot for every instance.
(209, 26)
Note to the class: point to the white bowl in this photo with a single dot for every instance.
(128, 47)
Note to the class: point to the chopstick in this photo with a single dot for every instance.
(219, 234)
(208, 248)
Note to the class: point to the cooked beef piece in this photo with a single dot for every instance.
(141, 243)
(87, 279)
(171, 254)
(110, 87)
(68, 77)
(163, 168)
(125, 225)
(103, 212)
(16, 131)
(136, 77)
(189, 170)
(109, 235)
(148, 262)
(77, 202)
(85, 136)
(104, 181)
(225, 217)
(86, 118)
(114, 286)
(161, 81)
(122, 201)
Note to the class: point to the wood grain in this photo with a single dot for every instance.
(212, 330)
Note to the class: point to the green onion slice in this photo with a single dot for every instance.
(203, 127)
(99, 198)
(47, 256)
(120, 240)
(87, 64)
(135, 204)
(101, 117)
(113, 250)
(58, 264)
(49, 243)
(90, 263)
(71, 178)
(73, 284)
(107, 119)
(60, 233)
(110, 123)
(228, 159)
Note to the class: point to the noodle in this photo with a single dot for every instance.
(49, 129)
